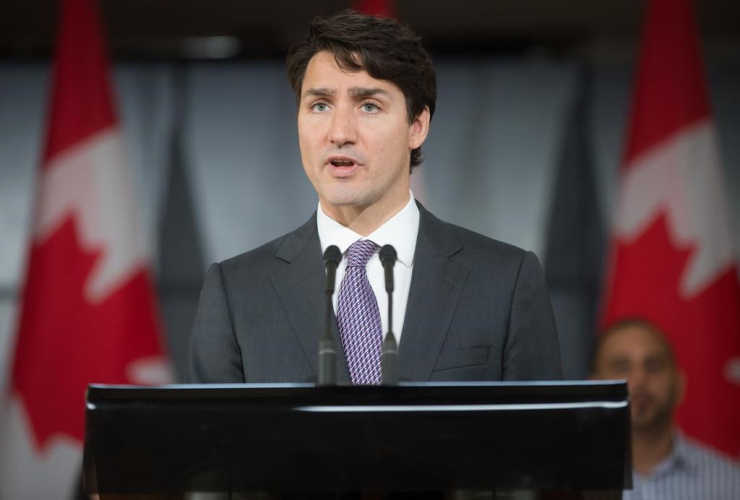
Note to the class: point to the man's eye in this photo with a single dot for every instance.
(619, 367)
(319, 106)
(369, 107)
(655, 366)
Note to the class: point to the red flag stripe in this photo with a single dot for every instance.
(670, 69)
(80, 77)
(385, 8)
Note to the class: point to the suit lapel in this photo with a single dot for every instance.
(436, 285)
(300, 289)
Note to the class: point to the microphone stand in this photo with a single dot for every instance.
(327, 345)
(389, 359)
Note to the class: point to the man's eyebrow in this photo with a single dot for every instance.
(354, 92)
(617, 358)
(366, 91)
(319, 92)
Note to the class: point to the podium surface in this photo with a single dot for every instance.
(415, 436)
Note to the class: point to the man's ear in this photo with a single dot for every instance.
(419, 128)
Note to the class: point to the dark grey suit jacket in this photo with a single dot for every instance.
(477, 310)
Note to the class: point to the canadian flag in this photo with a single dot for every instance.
(672, 259)
(88, 313)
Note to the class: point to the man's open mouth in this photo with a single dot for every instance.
(342, 162)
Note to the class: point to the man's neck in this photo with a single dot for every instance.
(364, 220)
(649, 448)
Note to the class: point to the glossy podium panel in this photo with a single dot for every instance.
(413, 436)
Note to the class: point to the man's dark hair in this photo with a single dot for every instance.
(383, 47)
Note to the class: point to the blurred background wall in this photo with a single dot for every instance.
(533, 99)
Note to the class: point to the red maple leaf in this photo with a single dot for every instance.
(66, 343)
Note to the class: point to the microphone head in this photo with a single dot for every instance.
(333, 254)
(388, 254)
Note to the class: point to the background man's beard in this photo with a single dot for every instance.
(661, 418)
(658, 421)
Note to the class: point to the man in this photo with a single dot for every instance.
(466, 307)
(666, 464)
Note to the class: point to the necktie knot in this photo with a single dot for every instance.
(360, 252)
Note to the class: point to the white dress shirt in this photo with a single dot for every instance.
(691, 472)
(400, 231)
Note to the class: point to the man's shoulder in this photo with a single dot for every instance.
(710, 462)
(257, 256)
(485, 243)
(265, 256)
(473, 245)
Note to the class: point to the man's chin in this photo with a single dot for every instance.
(642, 424)
(650, 422)
(347, 198)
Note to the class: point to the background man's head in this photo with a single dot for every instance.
(636, 350)
(383, 47)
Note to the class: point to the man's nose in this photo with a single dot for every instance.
(636, 377)
(343, 128)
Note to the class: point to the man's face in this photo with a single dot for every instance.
(355, 137)
(656, 386)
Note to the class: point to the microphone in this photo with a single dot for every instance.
(389, 360)
(327, 346)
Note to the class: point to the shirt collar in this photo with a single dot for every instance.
(400, 231)
(680, 458)
(681, 453)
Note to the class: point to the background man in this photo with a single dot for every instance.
(666, 464)
(466, 307)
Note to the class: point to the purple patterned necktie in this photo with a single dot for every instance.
(358, 316)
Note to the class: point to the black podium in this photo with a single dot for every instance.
(143, 442)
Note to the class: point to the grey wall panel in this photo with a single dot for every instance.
(724, 82)
(493, 144)
(145, 100)
(8, 312)
(246, 169)
(22, 106)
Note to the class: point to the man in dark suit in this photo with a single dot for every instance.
(467, 307)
